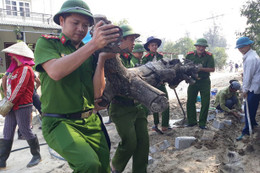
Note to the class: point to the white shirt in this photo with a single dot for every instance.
(251, 74)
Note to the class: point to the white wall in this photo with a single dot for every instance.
(46, 6)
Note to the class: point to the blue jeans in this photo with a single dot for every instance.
(253, 102)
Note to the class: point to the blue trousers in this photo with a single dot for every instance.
(253, 102)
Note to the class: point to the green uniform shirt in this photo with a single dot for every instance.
(74, 92)
(150, 57)
(206, 60)
(135, 60)
(224, 95)
(126, 60)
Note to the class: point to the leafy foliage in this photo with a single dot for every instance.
(220, 57)
(251, 11)
(217, 45)
(121, 22)
(214, 38)
(181, 46)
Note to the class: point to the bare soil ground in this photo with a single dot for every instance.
(214, 150)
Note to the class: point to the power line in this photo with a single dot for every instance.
(213, 17)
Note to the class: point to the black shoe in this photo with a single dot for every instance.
(203, 127)
(190, 125)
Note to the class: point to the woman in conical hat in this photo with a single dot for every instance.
(20, 87)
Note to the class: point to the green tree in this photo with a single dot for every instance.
(214, 38)
(121, 22)
(181, 46)
(251, 11)
(220, 57)
(217, 45)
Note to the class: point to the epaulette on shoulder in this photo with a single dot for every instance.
(191, 52)
(50, 36)
(126, 55)
(208, 53)
(147, 55)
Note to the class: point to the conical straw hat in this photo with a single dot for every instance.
(20, 48)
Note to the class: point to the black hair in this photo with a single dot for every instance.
(65, 15)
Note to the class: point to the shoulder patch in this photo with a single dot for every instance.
(147, 55)
(208, 53)
(126, 55)
(191, 52)
(50, 36)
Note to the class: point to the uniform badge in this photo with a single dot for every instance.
(63, 39)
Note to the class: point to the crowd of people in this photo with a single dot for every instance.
(71, 124)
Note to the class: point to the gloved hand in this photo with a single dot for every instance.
(6, 108)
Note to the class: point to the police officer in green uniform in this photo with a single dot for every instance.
(202, 84)
(151, 46)
(137, 54)
(72, 80)
(130, 119)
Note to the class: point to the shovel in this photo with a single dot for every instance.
(184, 116)
(248, 119)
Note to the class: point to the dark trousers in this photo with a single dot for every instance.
(253, 102)
(22, 118)
(202, 86)
(165, 114)
(229, 103)
(36, 101)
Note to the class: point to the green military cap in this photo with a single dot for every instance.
(138, 48)
(128, 30)
(74, 6)
(201, 42)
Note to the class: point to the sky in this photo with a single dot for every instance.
(174, 19)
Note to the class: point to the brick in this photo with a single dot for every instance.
(211, 117)
(183, 142)
(159, 146)
(242, 117)
(150, 160)
(228, 122)
(218, 124)
(207, 135)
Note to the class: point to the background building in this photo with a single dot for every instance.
(24, 20)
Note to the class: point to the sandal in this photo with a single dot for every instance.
(155, 128)
(165, 129)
